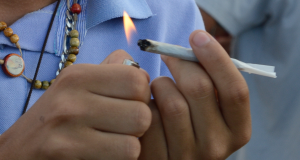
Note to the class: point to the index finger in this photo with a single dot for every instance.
(230, 84)
(116, 81)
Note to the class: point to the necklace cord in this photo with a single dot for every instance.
(41, 57)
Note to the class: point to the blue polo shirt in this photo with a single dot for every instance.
(101, 32)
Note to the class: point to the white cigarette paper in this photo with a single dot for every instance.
(188, 54)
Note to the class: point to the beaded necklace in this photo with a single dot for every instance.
(13, 64)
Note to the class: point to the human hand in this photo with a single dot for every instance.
(205, 114)
(90, 112)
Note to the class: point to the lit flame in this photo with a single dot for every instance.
(128, 26)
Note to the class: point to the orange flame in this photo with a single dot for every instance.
(128, 26)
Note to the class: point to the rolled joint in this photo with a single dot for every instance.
(143, 44)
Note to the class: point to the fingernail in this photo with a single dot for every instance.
(200, 39)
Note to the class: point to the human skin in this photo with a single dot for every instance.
(101, 121)
(85, 115)
(92, 119)
(189, 120)
(81, 116)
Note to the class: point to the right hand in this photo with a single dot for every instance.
(90, 112)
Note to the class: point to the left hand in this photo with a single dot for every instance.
(205, 114)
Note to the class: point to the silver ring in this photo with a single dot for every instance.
(131, 63)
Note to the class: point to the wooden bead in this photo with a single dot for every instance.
(72, 58)
(74, 50)
(74, 42)
(52, 81)
(74, 33)
(13, 65)
(38, 84)
(45, 85)
(14, 38)
(76, 8)
(8, 32)
(3, 25)
(68, 63)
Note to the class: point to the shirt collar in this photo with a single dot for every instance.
(93, 13)
(99, 11)
(32, 29)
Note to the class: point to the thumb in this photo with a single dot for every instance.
(116, 57)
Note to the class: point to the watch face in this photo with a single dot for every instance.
(13, 65)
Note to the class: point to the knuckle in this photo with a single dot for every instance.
(173, 107)
(56, 147)
(215, 152)
(118, 56)
(139, 83)
(216, 147)
(199, 88)
(241, 140)
(70, 76)
(142, 118)
(238, 93)
(64, 111)
(133, 148)
(120, 53)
